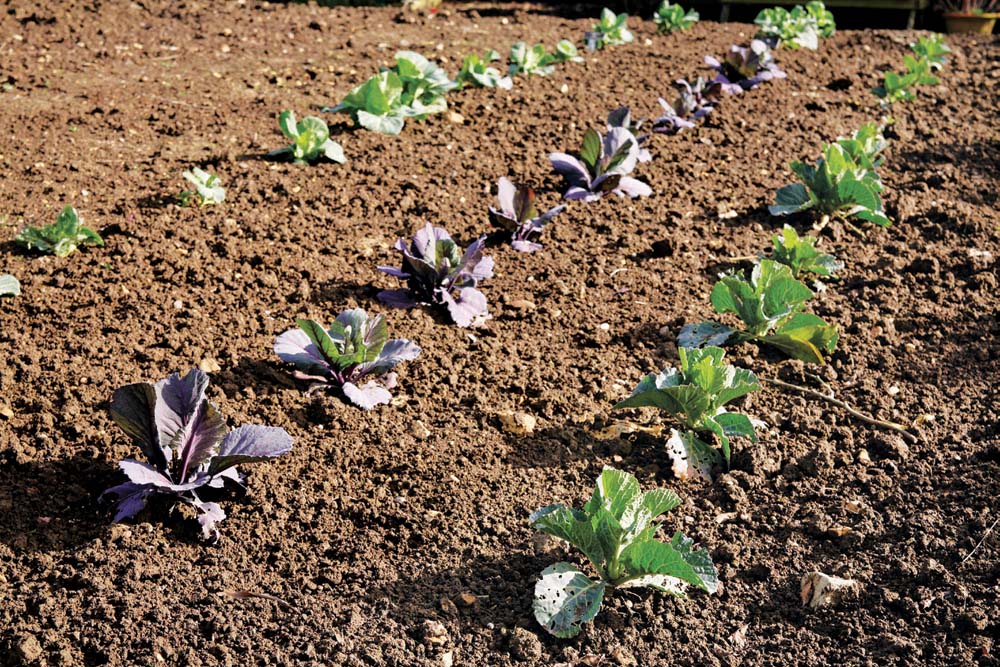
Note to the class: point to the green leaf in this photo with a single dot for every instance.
(391, 125)
(791, 199)
(676, 560)
(565, 598)
(286, 121)
(804, 336)
(321, 339)
(614, 492)
(572, 526)
(334, 151)
(705, 333)
(590, 151)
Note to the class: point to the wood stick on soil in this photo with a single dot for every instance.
(976, 548)
(881, 423)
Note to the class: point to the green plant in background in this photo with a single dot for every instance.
(799, 254)
(928, 57)
(933, 49)
(9, 285)
(59, 239)
(695, 395)
(414, 88)
(669, 18)
(208, 188)
(800, 27)
(612, 29)
(310, 140)
(615, 531)
(769, 305)
(535, 61)
(476, 71)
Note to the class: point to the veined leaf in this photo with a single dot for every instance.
(565, 598)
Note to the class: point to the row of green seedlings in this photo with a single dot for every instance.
(613, 529)
(354, 356)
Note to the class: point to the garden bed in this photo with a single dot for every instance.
(379, 521)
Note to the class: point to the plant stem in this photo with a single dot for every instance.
(881, 423)
(823, 222)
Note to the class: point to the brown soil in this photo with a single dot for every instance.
(378, 522)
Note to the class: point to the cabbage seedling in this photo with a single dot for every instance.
(310, 140)
(414, 88)
(59, 239)
(745, 67)
(669, 18)
(693, 103)
(208, 188)
(354, 348)
(9, 285)
(602, 167)
(615, 531)
(933, 49)
(186, 445)
(800, 27)
(476, 71)
(799, 254)
(695, 395)
(518, 216)
(438, 273)
(612, 29)
(769, 304)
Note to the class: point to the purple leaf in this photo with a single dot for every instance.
(209, 514)
(572, 169)
(397, 298)
(632, 187)
(249, 444)
(132, 499)
(368, 395)
(146, 475)
(525, 246)
(393, 353)
(394, 272)
(469, 310)
(133, 408)
(294, 347)
(177, 400)
(196, 443)
(505, 193)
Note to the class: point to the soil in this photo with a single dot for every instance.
(399, 536)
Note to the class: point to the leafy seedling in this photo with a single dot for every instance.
(612, 29)
(695, 395)
(745, 67)
(615, 531)
(799, 254)
(842, 183)
(437, 273)
(899, 87)
(693, 103)
(669, 18)
(535, 61)
(769, 305)
(310, 140)
(9, 285)
(59, 239)
(800, 27)
(603, 166)
(354, 348)
(415, 88)
(518, 216)
(933, 49)
(186, 445)
(476, 71)
(208, 188)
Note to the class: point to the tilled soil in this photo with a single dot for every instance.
(380, 522)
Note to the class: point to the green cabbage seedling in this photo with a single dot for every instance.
(769, 305)
(310, 140)
(61, 238)
(208, 188)
(612, 29)
(615, 531)
(696, 395)
(800, 255)
(669, 18)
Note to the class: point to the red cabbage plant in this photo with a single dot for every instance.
(745, 67)
(517, 214)
(437, 273)
(186, 445)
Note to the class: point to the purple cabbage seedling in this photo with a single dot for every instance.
(186, 445)
(622, 117)
(355, 347)
(602, 167)
(693, 103)
(438, 273)
(517, 214)
(745, 67)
